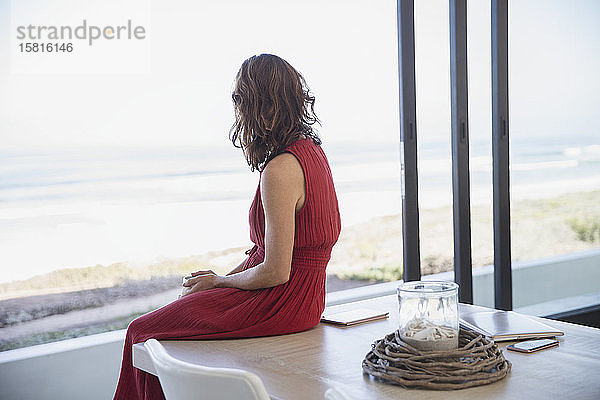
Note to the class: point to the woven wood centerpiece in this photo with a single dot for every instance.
(477, 361)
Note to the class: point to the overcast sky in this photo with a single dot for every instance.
(345, 49)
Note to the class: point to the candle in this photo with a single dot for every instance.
(428, 318)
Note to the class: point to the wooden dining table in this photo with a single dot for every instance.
(302, 366)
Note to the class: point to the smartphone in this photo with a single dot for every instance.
(532, 346)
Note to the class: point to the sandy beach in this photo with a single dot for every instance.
(79, 301)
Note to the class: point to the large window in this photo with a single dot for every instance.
(555, 143)
(554, 156)
(114, 184)
(432, 66)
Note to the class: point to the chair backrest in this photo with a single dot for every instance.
(181, 380)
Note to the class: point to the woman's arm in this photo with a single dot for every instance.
(283, 193)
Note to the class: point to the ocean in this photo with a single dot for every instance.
(81, 206)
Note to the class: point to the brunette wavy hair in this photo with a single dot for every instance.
(273, 109)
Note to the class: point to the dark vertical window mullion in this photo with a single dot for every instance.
(460, 150)
(500, 155)
(408, 137)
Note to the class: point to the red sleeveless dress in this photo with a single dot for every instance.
(294, 306)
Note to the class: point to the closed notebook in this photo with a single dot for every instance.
(506, 325)
(353, 317)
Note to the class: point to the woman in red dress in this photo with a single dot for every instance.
(294, 223)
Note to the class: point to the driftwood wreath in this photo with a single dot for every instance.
(477, 361)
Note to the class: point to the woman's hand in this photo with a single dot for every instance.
(201, 280)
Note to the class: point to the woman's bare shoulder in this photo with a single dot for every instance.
(284, 166)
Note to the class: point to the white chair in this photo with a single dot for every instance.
(181, 380)
(335, 393)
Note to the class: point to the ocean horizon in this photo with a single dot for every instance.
(66, 207)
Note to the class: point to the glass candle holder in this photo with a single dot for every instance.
(429, 315)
